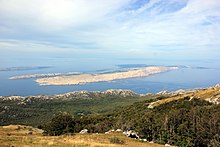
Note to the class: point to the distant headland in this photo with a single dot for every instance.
(23, 68)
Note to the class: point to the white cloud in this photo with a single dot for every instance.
(51, 15)
(154, 27)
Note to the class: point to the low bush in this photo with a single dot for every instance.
(116, 140)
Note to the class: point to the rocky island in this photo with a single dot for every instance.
(89, 78)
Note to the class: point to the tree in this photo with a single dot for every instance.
(61, 123)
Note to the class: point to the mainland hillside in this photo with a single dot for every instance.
(180, 118)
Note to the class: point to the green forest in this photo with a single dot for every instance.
(182, 123)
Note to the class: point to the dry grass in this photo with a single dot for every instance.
(25, 136)
(205, 94)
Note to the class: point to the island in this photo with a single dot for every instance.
(23, 68)
(90, 78)
(43, 75)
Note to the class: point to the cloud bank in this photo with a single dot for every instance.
(140, 28)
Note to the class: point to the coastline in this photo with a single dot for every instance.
(91, 78)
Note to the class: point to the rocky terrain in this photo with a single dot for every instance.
(73, 95)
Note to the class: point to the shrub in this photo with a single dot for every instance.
(116, 140)
(61, 123)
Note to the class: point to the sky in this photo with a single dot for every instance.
(177, 29)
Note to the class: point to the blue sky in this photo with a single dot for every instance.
(179, 29)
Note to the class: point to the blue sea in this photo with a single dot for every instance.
(191, 74)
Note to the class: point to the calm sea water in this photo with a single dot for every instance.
(199, 74)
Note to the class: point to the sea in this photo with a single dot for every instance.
(191, 74)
